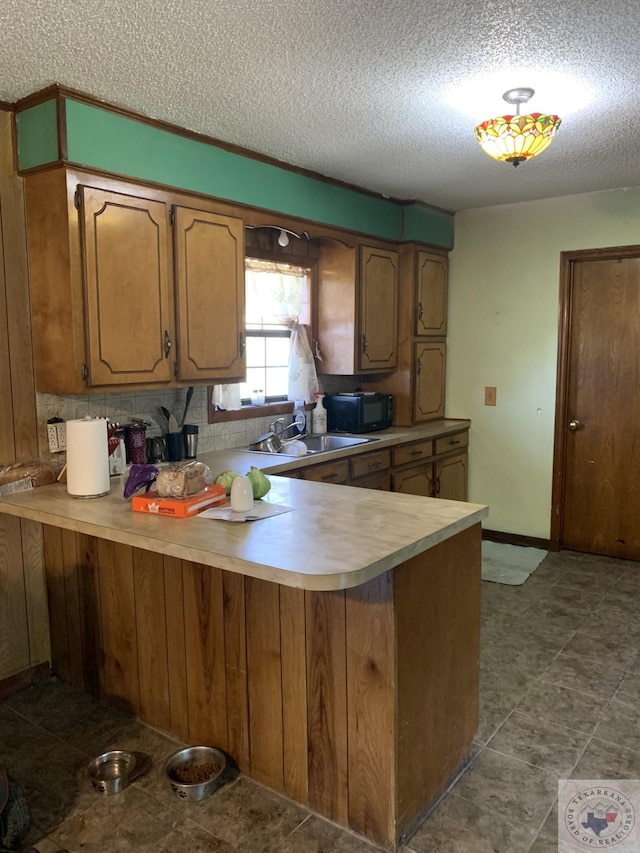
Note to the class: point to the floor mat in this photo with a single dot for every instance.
(510, 564)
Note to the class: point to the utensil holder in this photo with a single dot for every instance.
(175, 446)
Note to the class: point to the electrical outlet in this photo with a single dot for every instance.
(61, 429)
(52, 436)
(490, 395)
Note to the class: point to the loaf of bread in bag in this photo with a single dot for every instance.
(181, 479)
(40, 472)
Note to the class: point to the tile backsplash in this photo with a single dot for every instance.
(146, 405)
(121, 407)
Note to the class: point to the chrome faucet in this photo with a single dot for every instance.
(277, 427)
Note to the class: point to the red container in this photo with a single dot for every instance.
(134, 443)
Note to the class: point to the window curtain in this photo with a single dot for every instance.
(278, 294)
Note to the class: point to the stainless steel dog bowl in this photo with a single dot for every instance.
(192, 758)
(267, 443)
(110, 772)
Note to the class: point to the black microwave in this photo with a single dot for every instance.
(358, 412)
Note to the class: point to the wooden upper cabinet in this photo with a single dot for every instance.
(378, 309)
(431, 294)
(429, 366)
(357, 309)
(127, 262)
(210, 300)
(118, 299)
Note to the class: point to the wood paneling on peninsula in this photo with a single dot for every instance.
(325, 696)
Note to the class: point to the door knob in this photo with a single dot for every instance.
(574, 425)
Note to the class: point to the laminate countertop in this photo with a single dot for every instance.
(335, 537)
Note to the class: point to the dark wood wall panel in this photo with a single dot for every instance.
(151, 637)
(90, 619)
(35, 591)
(327, 703)
(56, 595)
(204, 643)
(264, 679)
(235, 644)
(119, 667)
(24, 635)
(176, 646)
(70, 581)
(438, 632)
(14, 634)
(294, 693)
(371, 713)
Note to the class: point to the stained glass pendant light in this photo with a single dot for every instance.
(515, 138)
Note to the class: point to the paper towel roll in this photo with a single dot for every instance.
(87, 458)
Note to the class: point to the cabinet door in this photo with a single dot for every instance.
(451, 478)
(381, 482)
(378, 309)
(429, 385)
(431, 294)
(209, 295)
(128, 305)
(417, 480)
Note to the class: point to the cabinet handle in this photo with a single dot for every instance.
(419, 366)
(454, 441)
(364, 343)
(420, 311)
(241, 344)
(417, 452)
(375, 464)
(329, 476)
(437, 494)
(167, 344)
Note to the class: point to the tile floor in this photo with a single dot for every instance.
(560, 691)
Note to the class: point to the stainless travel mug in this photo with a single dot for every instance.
(190, 433)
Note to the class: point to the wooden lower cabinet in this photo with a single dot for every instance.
(451, 477)
(365, 470)
(328, 472)
(416, 480)
(432, 469)
(360, 704)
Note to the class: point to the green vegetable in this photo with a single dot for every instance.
(259, 482)
(225, 479)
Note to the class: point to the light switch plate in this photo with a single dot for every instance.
(490, 395)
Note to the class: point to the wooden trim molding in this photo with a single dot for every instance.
(516, 539)
(16, 683)
(567, 260)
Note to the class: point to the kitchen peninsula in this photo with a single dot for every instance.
(332, 651)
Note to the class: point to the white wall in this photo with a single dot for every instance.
(503, 331)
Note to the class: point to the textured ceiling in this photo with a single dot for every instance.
(383, 94)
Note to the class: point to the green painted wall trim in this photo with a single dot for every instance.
(105, 140)
(37, 131)
(99, 138)
(427, 224)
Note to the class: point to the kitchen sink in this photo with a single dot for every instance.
(324, 443)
